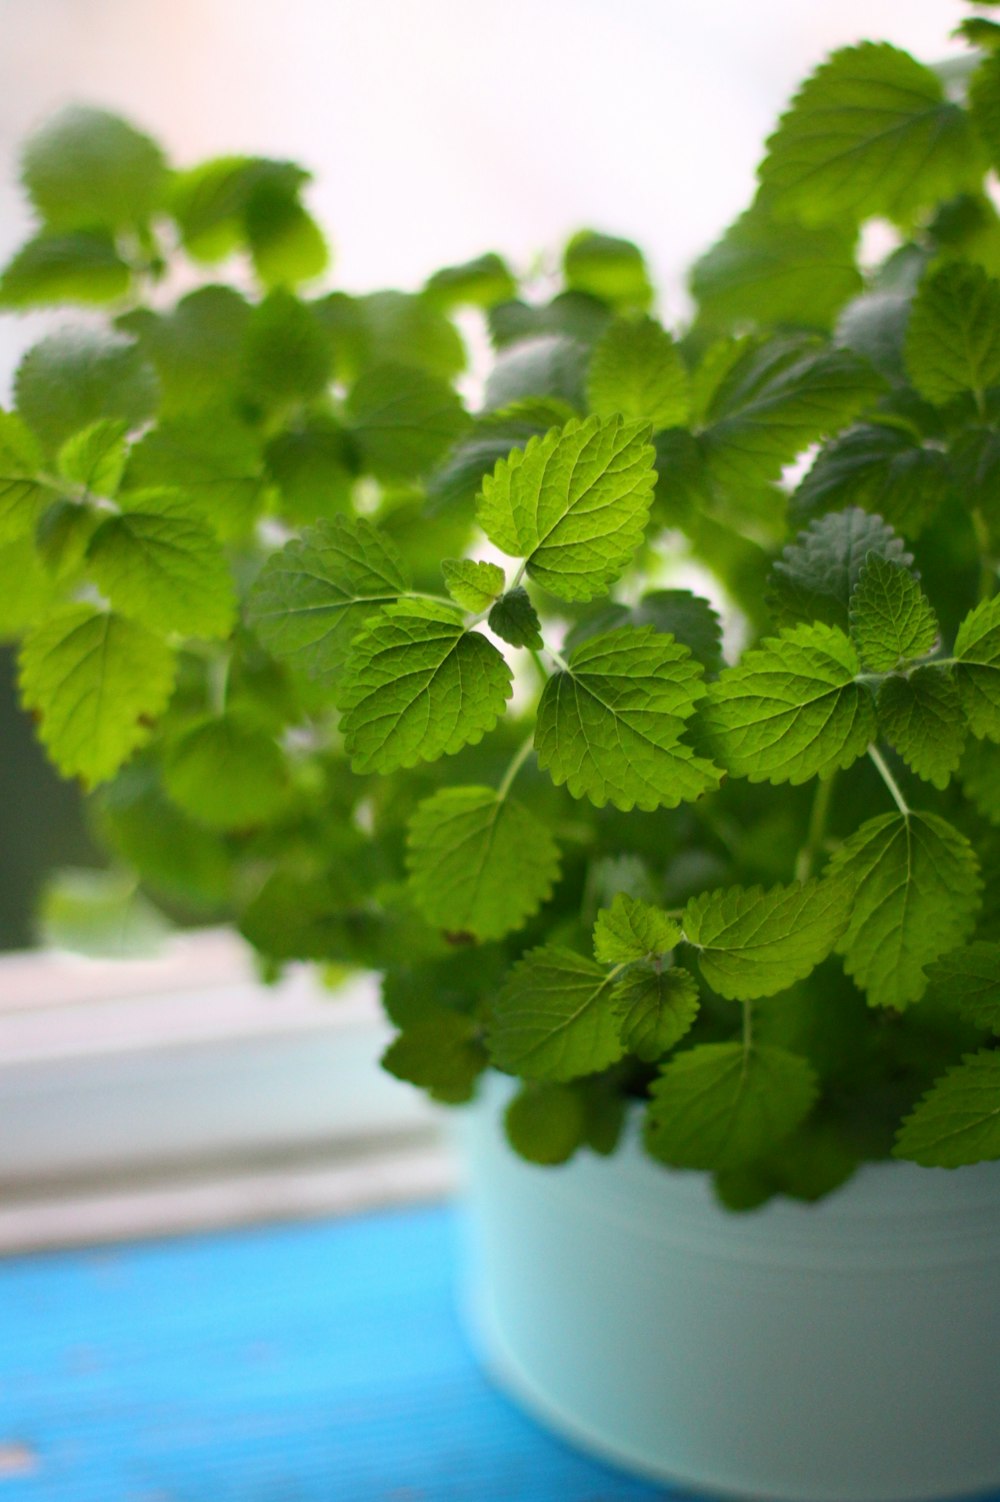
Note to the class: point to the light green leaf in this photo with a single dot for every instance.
(610, 724)
(212, 202)
(479, 863)
(816, 575)
(286, 356)
(633, 930)
(455, 484)
(871, 133)
(977, 671)
(655, 1009)
(226, 774)
(473, 586)
(546, 1123)
(515, 620)
(979, 774)
(97, 683)
(953, 337)
(28, 591)
(394, 327)
(719, 1106)
(915, 886)
(62, 536)
(969, 979)
(637, 370)
(441, 1054)
(81, 267)
(159, 566)
(101, 914)
(418, 686)
(555, 1017)
(984, 103)
(479, 284)
(286, 244)
(573, 504)
(74, 378)
(610, 269)
(886, 470)
(958, 1120)
(891, 617)
(312, 464)
(95, 458)
(213, 459)
(791, 710)
(86, 167)
(196, 346)
(22, 496)
(313, 596)
(403, 420)
(921, 716)
(753, 942)
(677, 612)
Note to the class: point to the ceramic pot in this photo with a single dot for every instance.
(842, 1352)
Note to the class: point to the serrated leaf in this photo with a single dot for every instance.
(22, 496)
(515, 620)
(159, 566)
(979, 774)
(213, 459)
(86, 167)
(196, 346)
(454, 486)
(885, 470)
(286, 356)
(608, 268)
(97, 682)
(95, 458)
(473, 586)
(958, 1120)
(791, 710)
(441, 1054)
(418, 686)
(403, 420)
(546, 1123)
(953, 336)
(226, 774)
(977, 668)
(921, 716)
(637, 370)
(915, 886)
(573, 504)
(677, 612)
(816, 575)
(72, 379)
(479, 863)
(891, 618)
(313, 596)
(719, 1106)
(969, 979)
(870, 133)
(555, 1018)
(633, 930)
(753, 942)
(655, 1009)
(610, 724)
(81, 267)
(479, 283)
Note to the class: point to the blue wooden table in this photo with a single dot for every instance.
(317, 1362)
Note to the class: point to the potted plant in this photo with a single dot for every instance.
(707, 878)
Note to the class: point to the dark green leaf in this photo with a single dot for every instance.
(891, 618)
(655, 1009)
(546, 1124)
(555, 1018)
(816, 575)
(958, 1120)
(921, 716)
(977, 669)
(969, 979)
(953, 338)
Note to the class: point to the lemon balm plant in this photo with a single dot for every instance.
(407, 682)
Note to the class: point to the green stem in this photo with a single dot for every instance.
(218, 683)
(517, 577)
(889, 781)
(816, 832)
(747, 1030)
(987, 565)
(516, 764)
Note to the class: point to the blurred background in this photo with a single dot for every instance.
(435, 131)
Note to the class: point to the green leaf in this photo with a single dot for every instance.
(226, 774)
(441, 1054)
(312, 598)
(312, 464)
(473, 586)
(891, 617)
(976, 458)
(958, 1120)
(479, 862)
(390, 327)
(979, 773)
(86, 167)
(22, 496)
(977, 669)
(479, 284)
(816, 575)
(921, 716)
(633, 930)
(576, 315)
(953, 337)
(984, 103)
(196, 346)
(286, 355)
(455, 484)
(80, 267)
(159, 566)
(774, 400)
(213, 202)
(297, 916)
(548, 368)
(915, 886)
(100, 914)
(777, 273)
(515, 620)
(677, 612)
(871, 133)
(573, 504)
(403, 420)
(885, 470)
(969, 979)
(655, 1009)
(418, 686)
(753, 942)
(610, 724)
(75, 378)
(173, 855)
(610, 269)
(791, 710)
(286, 244)
(97, 683)
(95, 458)
(719, 1106)
(546, 1124)
(555, 1018)
(213, 459)
(637, 370)
(28, 591)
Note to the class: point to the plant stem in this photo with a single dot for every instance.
(889, 780)
(218, 683)
(747, 1030)
(816, 831)
(987, 566)
(518, 761)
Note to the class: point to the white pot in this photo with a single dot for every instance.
(842, 1352)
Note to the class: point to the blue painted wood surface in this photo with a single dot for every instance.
(301, 1363)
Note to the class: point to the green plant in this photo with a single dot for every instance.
(521, 782)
